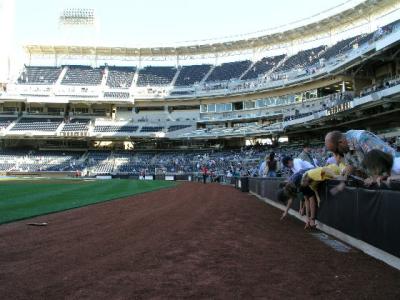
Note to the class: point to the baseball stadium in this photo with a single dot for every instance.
(224, 161)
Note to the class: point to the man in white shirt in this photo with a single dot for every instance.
(296, 164)
(261, 169)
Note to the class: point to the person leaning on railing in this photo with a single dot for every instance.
(313, 177)
(354, 145)
(305, 183)
(381, 167)
(292, 189)
(296, 164)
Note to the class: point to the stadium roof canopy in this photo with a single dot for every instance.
(340, 21)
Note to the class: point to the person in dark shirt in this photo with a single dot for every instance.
(291, 190)
(272, 165)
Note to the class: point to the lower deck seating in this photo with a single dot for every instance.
(100, 162)
(244, 160)
(35, 161)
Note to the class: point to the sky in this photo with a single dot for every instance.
(151, 23)
(158, 22)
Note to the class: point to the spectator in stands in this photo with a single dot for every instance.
(353, 145)
(296, 164)
(269, 167)
(306, 155)
(261, 168)
(381, 166)
(204, 171)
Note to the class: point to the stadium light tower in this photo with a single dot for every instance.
(77, 16)
(78, 26)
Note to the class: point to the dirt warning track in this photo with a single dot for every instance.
(195, 240)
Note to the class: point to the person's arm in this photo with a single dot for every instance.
(265, 170)
(328, 173)
(392, 178)
(395, 172)
(317, 197)
(376, 179)
(347, 171)
(369, 181)
(285, 212)
(301, 209)
(337, 189)
(261, 170)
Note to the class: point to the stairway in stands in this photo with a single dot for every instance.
(208, 74)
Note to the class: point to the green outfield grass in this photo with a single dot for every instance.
(21, 199)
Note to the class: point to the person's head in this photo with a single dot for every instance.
(306, 147)
(336, 142)
(377, 163)
(287, 161)
(281, 195)
(271, 156)
(287, 191)
(290, 190)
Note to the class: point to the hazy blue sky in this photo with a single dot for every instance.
(132, 22)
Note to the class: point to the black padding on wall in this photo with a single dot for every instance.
(372, 216)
